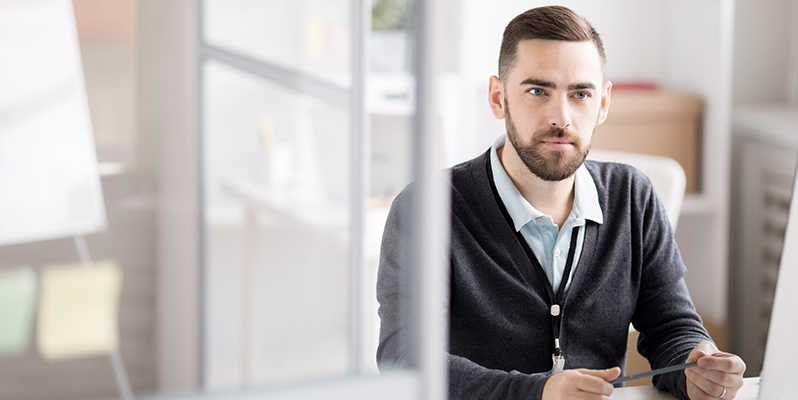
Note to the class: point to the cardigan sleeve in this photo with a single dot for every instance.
(471, 381)
(467, 379)
(669, 325)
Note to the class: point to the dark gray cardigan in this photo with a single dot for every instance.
(500, 329)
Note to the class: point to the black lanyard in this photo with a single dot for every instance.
(555, 301)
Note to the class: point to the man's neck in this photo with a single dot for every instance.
(551, 198)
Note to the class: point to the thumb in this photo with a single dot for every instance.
(702, 349)
(606, 374)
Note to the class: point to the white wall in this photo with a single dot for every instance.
(632, 32)
(681, 45)
(765, 52)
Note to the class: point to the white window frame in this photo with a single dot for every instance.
(172, 118)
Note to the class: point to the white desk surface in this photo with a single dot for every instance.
(750, 391)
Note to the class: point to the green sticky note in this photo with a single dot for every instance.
(17, 305)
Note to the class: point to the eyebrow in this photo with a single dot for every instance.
(580, 86)
(552, 85)
(539, 82)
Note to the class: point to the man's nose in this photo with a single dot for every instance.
(558, 116)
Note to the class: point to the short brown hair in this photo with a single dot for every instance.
(549, 23)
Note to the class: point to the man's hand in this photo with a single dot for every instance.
(718, 375)
(581, 384)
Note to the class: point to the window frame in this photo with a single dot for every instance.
(426, 378)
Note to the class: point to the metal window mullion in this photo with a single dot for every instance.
(359, 173)
(293, 80)
(431, 209)
(202, 240)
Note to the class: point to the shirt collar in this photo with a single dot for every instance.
(586, 202)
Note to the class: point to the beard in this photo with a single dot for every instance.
(547, 164)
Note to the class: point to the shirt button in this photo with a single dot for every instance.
(540, 221)
(557, 252)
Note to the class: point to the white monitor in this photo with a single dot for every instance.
(779, 375)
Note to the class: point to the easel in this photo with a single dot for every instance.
(116, 359)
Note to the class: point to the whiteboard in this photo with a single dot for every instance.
(49, 180)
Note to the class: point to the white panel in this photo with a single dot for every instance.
(49, 179)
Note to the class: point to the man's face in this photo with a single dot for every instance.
(552, 99)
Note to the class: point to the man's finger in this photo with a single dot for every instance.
(598, 380)
(606, 374)
(707, 385)
(695, 393)
(703, 349)
(695, 355)
(579, 384)
(718, 377)
(725, 362)
(591, 383)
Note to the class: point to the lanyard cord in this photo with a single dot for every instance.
(555, 301)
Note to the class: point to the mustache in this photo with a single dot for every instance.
(553, 132)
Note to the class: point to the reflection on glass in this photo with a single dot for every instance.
(277, 190)
(390, 36)
(309, 36)
(276, 214)
(389, 105)
(390, 97)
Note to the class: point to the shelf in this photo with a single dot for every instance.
(390, 94)
(779, 122)
(698, 204)
(302, 209)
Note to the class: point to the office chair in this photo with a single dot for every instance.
(665, 173)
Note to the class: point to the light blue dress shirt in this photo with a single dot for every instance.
(549, 242)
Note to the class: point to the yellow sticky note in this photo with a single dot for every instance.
(342, 45)
(78, 310)
(266, 131)
(17, 305)
(314, 37)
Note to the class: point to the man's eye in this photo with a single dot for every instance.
(536, 91)
(582, 95)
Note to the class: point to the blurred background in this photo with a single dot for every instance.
(248, 152)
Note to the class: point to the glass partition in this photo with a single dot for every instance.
(312, 37)
(304, 144)
(277, 230)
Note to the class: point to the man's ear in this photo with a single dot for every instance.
(496, 97)
(606, 90)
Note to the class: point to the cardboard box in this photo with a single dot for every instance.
(658, 122)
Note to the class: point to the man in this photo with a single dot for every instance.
(553, 256)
